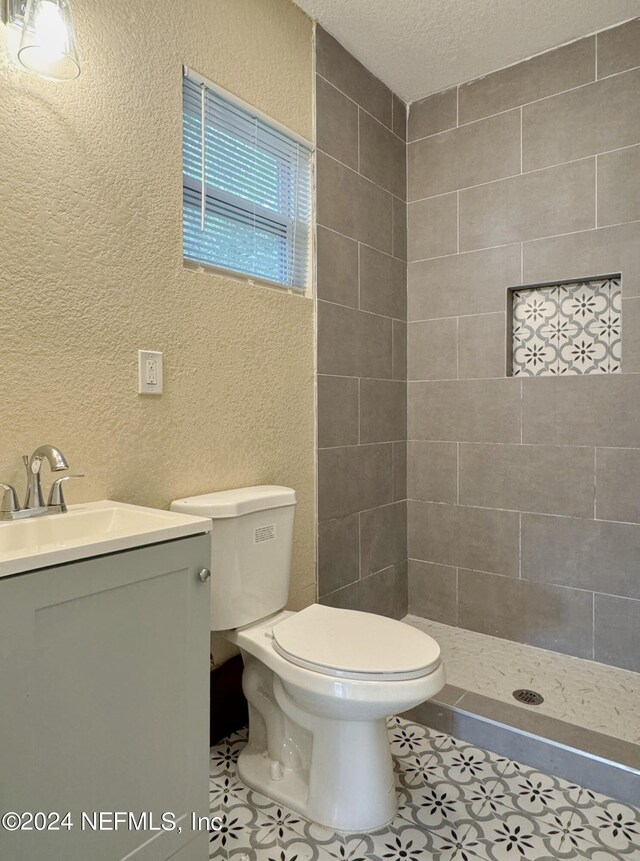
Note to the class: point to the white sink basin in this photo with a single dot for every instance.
(92, 529)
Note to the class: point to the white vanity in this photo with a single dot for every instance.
(104, 655)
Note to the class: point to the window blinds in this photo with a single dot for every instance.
(246, 190)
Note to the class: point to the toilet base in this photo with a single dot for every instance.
(292, 789)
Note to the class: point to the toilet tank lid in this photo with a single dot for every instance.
(236, 502)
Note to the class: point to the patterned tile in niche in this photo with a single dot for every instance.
(571, 328)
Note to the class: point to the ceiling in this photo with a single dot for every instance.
(418, 47)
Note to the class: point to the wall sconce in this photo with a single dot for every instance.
(48, 42)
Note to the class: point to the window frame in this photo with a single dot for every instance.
(290, 225)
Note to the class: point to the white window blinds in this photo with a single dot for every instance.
(246, 190)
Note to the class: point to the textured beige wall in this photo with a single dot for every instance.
(91, 268)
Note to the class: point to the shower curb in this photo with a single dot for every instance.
(591, 759)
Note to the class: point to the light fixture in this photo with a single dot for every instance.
(48, 41)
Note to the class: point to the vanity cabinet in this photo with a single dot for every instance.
(104, 702)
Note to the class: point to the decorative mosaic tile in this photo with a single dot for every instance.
(457, 803)
(567, 329)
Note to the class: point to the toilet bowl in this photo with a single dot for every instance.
(321, 745)
(320, 682)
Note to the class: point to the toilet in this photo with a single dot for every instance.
(320, 682)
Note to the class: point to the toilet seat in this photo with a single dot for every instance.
(355, 645)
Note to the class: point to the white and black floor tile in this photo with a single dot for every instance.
(456, 803)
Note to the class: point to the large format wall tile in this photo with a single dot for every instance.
(338, 553)
(592, 119)
(399, 231)
(337, 268)
(432, 471)
(382, 156)
(617, 632)
(479, 152)
(337, 65)
(433, 227)
(619, 186)
(605, 251)
(354, 479)
(549, 479)
(471, 283)
(384, 593)
(399, 470)
(383, 283)
(618, 484)
(431, 350)
(399, 117)
(546, 616)
(482, 346)
(399, 333)
(353, 205)
(631, 334)
(337, 124)
(587, 554)
(434, 114)
(601, 410)
(353, 343)
(541, 76)
(383, 537)
(465, 410)
(383, 410)
(544, 203)
(337, 411)
(433, 592)
(361, 335)
(459, 536)
(619, 48)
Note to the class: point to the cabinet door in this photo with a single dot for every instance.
(104, 700)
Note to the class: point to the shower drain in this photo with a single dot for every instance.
(529, 698)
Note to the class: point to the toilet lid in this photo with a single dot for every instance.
(355, 645)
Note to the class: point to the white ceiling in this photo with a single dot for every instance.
(418, 47)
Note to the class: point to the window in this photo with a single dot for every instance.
(246, 189)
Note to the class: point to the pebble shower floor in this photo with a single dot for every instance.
(457, 803)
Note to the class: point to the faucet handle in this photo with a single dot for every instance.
(9, 493)
(56, 495)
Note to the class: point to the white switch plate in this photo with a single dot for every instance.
(150, 376)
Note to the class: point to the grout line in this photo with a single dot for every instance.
(596, 195)
(516, 106)
(520, 546)
(360, 311)
(595, 71)
(358, 147)
(521, 145)
(366, 245)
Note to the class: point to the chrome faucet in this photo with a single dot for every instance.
(34, 504)
(57, 462)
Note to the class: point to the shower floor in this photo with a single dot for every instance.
(584, 693)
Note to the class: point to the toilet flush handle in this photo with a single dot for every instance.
(203, 575)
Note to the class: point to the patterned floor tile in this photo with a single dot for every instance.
(457, 802)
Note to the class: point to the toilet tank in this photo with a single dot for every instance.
(251, 543)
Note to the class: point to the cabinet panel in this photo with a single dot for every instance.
(104, 699)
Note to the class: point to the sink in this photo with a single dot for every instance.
(91, 529)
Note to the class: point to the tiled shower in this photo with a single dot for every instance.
(522, 498)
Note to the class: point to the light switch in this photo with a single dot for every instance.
(150, 376)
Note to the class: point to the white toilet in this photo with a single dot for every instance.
(320, 682)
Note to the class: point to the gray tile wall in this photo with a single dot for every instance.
(362, 339)
(524, 495)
